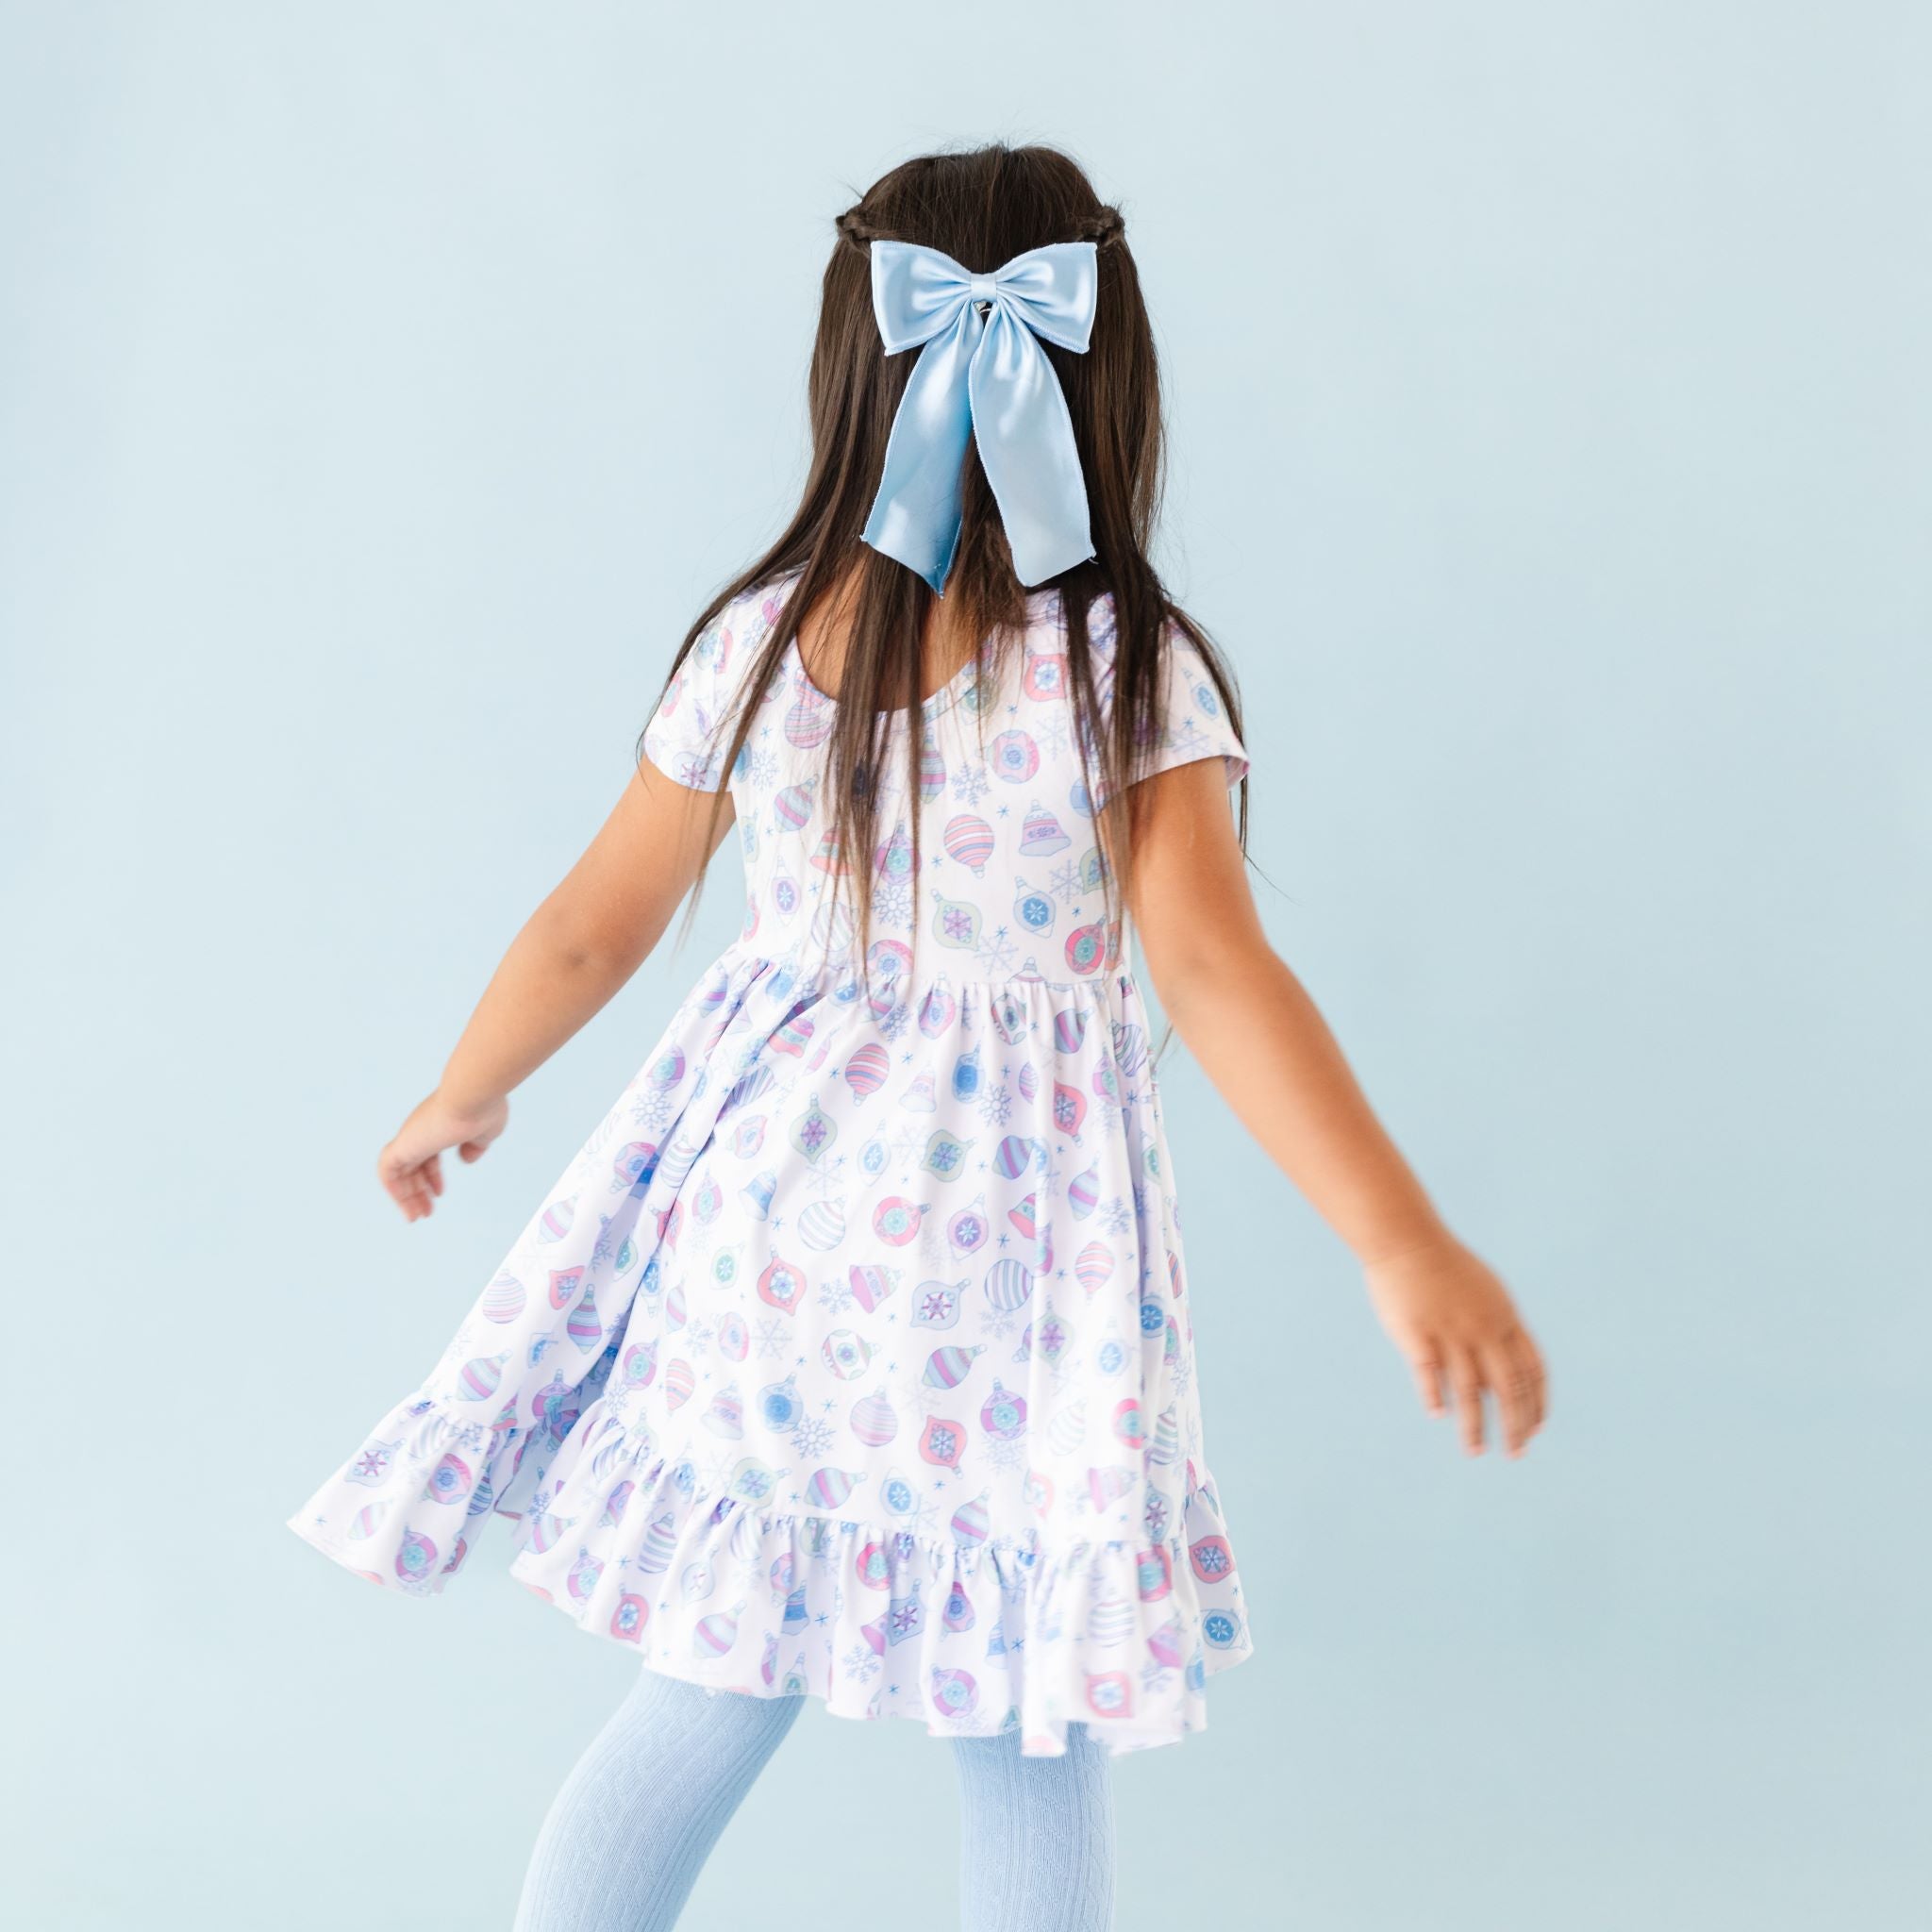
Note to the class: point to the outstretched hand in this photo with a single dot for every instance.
(1452, 1320)
(410, 1167)
(574, 951)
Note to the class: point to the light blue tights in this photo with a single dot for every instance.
(640, 1812)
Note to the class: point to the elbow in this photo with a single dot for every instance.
(1183, 979)
(1192, 975)
(586, 949)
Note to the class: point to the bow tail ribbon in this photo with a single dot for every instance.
(916, 515)
(1025, 436)
(984, 380)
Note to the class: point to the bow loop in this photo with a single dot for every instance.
(984, 379)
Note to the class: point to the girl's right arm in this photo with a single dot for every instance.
(577, 948)
(1258, 1036)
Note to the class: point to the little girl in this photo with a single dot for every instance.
(852, 1357)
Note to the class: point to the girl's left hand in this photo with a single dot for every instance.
(410, 1167)
(1452, 1319)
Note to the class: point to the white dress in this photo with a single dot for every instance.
(852, 1354)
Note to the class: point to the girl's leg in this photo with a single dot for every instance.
(1038, 1836)
(637, 1817)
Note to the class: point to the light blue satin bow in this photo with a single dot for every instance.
(984, 379)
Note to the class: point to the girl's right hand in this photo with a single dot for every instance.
(410, 1167)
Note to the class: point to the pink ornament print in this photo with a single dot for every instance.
(848, 1356)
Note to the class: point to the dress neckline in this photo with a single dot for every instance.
(928, 708)
(1037, 603)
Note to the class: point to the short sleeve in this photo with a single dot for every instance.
(1194, 722)
(683, 739)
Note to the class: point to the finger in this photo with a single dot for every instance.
(1427, 1367)
(1524, 1378)
(1465, 1379)
(474, 1150)
(1530, 1363)
(432, 1173)
(406, 1188)
(1515, 1392)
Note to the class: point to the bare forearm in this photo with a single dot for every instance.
(585, 938)
(550, 983)
(1265, 1045)
(1271, 1055)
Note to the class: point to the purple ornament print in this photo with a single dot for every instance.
(749, 1403)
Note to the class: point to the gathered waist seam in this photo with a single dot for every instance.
(820, 977)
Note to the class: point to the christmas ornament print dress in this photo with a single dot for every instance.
(851, 1355)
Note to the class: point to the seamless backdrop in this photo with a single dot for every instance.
(381, 390)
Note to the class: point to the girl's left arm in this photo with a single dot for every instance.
(1260, 1038)
(583, 942)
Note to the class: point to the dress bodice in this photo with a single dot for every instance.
(852, 1354)
(987, 867)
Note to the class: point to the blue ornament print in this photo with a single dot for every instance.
(852, 1355)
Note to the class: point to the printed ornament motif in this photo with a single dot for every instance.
(851, 1356)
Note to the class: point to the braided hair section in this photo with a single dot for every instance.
(1105, 226)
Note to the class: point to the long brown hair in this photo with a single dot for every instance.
(982, 208)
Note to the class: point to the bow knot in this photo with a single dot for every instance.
(983, 378)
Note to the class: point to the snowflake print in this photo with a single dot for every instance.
(827, 1180)
(814, 1390)
(606, 1246)
(935, 1250)
(861, 1662)
(996, 952)
(1001, 1324)
(971, 784)
(653, 1110)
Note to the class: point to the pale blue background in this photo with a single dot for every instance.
(382, 387)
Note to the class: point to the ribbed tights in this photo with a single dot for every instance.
(640, 1812)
